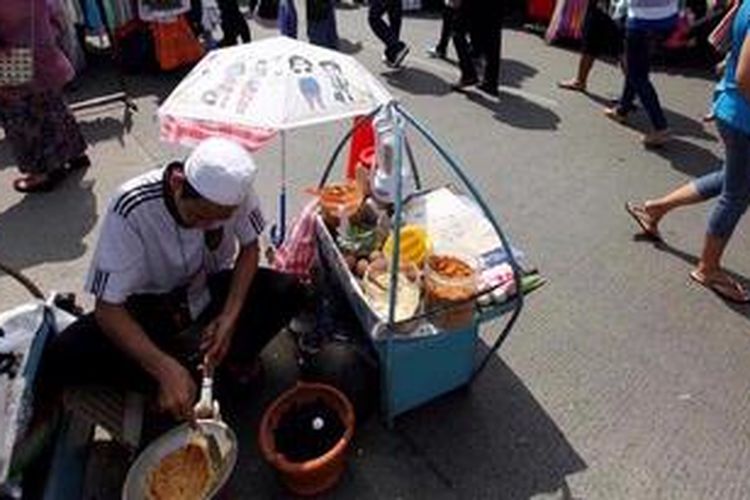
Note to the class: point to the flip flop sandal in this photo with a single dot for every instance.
(723, 286)
(23, 185)
(638, 214)
(569, 85)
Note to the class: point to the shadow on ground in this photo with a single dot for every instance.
(681, 125)
(49, 227)
(491, 441)
(348, 47)
(513, 73)
(692, 260)
(417, 81)
(101, 80)
(516, 111)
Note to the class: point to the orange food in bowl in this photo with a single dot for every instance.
(450, 283)
(340, 198)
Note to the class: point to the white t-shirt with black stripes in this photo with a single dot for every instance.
(143, 249)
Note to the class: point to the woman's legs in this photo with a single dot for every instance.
(731, 205)
(45, 139)
(585, 63)
(732, 185)
(649, 214)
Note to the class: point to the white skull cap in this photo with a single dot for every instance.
(221, 170)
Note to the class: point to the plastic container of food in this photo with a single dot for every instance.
(449, 282)
(376, 284)
(340, 199)
(414, 245)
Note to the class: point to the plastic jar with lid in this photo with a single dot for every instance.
(450, 281)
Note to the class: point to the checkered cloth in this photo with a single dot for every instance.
(191, 132)
(297, 254)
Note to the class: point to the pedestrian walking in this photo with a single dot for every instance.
(389, 33)
(487, 17)
(601, 36)
(440, 49)
(233, 23)
(44, 136)
(731, 184)
(648, 22)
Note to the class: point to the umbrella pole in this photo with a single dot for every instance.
(278, 231)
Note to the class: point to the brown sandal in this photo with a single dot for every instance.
(643, 219)
(573, 85)
(723, 286)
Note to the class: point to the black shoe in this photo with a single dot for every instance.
(464, 82)
(437, 52)
(394, 58)
(489, 89)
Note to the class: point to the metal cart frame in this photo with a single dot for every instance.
(429, 356)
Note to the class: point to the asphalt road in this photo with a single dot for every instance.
(621, 380)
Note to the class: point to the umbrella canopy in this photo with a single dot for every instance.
(250, 91)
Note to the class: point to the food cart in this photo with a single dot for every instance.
(433, 350)
(252, 93)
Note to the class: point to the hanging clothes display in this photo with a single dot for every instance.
(93, 16)
(64, 18)
(118, 12)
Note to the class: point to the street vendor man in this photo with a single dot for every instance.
(177, 283)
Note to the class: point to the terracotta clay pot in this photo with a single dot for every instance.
(319, 474)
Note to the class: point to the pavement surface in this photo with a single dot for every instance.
(621, 380)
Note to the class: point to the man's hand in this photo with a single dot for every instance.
(216, 339)
(177, 391)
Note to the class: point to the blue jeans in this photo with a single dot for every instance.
(637, 83)
(731, 184)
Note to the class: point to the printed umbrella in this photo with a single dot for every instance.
(251, 91)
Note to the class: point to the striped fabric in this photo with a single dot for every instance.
(191, 132)
(297, 254)
(567, 20)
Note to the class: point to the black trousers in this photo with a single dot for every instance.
(233, 23)
(83, 355)
(483, 20)
(388, 33)
(446, 28)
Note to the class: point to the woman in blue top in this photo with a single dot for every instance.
(731, 184)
